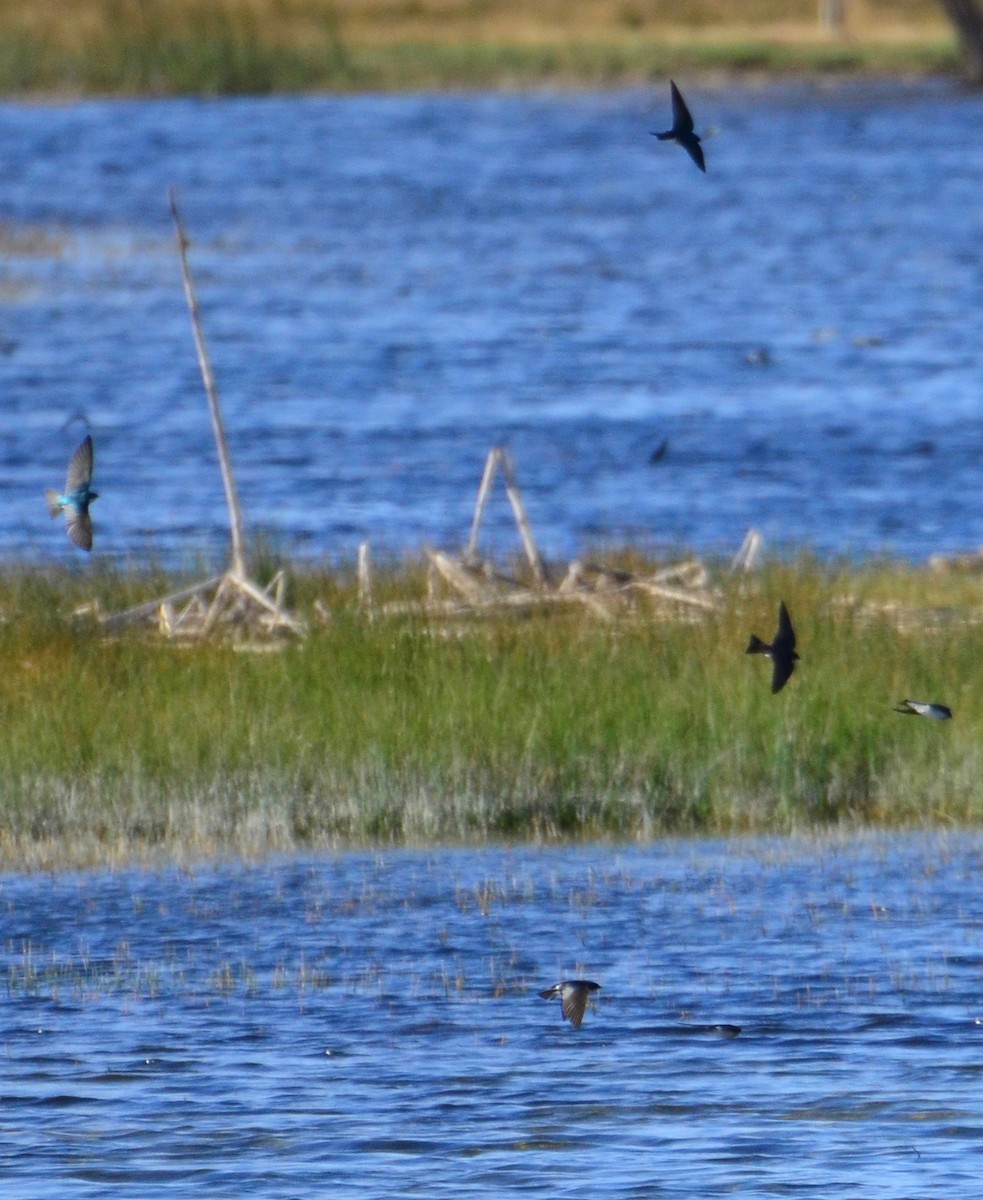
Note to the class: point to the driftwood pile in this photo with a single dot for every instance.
(231, 603)
(916, 620)
(256, 618)
(228, 603)
(466, 584)
(969, 563)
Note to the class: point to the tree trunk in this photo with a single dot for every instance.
(967, 17)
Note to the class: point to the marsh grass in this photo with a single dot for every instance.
(217, 47)
(547, 726)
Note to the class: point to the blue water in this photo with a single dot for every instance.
(369, 1025)
(390, 285)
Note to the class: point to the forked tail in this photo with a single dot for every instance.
(757, 646)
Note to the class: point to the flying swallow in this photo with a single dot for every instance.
(78, 495)
(924, 708)
(682, 129)
(573, 994)
(781, 651)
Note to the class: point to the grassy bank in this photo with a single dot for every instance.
(545, 725)
(258, 46)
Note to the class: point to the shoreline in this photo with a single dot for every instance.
(625, 714)
(194, 47)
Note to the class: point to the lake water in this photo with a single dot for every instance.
(391, 285)
(369, 1024)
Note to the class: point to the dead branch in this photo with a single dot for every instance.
(211, 392)
(498, 458)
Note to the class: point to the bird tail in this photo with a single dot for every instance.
(551, 992)
(665, 137)
(904, 706)
(757, 646)
(54, 503)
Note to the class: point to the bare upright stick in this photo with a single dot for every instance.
(365, 578)
(522, 519)
(499, 458)
(211, 391)
(484, 491)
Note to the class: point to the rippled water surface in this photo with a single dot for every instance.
(390, 285)
(368, 1025)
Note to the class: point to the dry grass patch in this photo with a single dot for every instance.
(257, 46)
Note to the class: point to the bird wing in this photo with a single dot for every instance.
(80, 466)
(784, 665)
(574, 1005)
(682, 122)
(695, 151)
(785, 637)
(924, 708)
(79, 527)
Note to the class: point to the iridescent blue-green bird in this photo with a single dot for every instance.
(78, 495)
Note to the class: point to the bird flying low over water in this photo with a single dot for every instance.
(78, 495)
(781, 651)
(574, 994)
(682, 129)
(924, 708)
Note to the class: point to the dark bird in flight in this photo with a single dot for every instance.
(924, 708)
(574, 994)
(78, 495)
(659, 453)
(781, 651)
(682, 129)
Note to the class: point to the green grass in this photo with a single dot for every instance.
(546, 726)
(220, 55)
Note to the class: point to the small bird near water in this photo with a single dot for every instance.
(682, 131)
(924, 708)
(781, 651)
(574, 994)
(78, 495)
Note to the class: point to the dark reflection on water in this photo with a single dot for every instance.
(369, 1024)
(392, 284)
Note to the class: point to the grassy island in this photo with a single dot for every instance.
(547, 723)
(216, 47)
